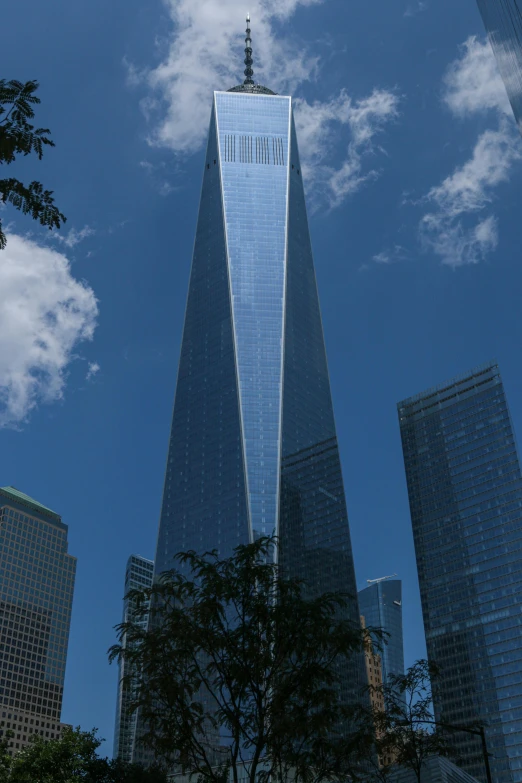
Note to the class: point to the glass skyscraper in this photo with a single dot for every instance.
(381, 606)
(36, 592)
(465, 493)
(503, 21)
(253, 447)
(138, 575)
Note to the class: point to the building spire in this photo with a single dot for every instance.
(248, 54)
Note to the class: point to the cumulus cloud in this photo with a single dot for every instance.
(472, 82)
(44, 314)
(92, 370)
(456, 228)
(205, 53)
(320, 125)
(451, 230)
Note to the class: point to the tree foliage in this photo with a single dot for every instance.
(406, 734)
(19, 137)
(239, 669)
(70, 759)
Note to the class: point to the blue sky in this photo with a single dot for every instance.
(414, 171)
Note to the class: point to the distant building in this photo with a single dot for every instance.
(465, 493)
(373, 663)
(36, 592)
(375, 680)
(381, 605)
(436, 769)
(138, 574)
(503, 22)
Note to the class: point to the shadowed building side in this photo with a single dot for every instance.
(465, 493)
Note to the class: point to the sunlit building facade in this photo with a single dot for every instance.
(253, 448)
(36, 591)
(465, 493)
(381, 605)
(503, 21)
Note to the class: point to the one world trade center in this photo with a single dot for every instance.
(253, 448)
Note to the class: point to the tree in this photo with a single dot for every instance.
(19, 137)
(73, 758)
(238, 668)
(406, 734)
(5, 758)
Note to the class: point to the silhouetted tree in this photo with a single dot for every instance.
(239, 669)
(19, 137)
(405, 732)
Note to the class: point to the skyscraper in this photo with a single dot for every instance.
(253, 447)
(138, 575)
(36, 591)
(465, 493)
(381, 605)
(503, 21)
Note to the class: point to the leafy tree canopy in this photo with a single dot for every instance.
(240, 668)
(70, 759)
(19, 137)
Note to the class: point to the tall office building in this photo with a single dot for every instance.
(36, 592)
(138, 575)
(381, 605)
(503, 21)
(253, 447)
(465, 493)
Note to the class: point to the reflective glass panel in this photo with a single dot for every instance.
(253, 139)
(465, 491)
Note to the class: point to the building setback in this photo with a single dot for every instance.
(465, 493)
(253, 447)
(138, 575)
(381, 605)
(36, 592)
(503, 22)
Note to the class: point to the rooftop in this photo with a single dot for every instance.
(25, 500)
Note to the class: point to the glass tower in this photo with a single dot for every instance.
(381, 607)
(503, 22)
(253, 448)
(36, 592)
(465, 493)
(138, 575)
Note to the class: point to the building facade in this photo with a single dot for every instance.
(36, 591)
(253, 448)
(465, 493)
(503, 22)
(138, 575)
(381, 605)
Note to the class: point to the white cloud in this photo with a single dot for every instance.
(92, 370)
(205, 53)
(73, 237)
(319, 128)
(472, 82)
(391, 255)
(416, 8)
(456, 228)
(451, 230)
(44, 313)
